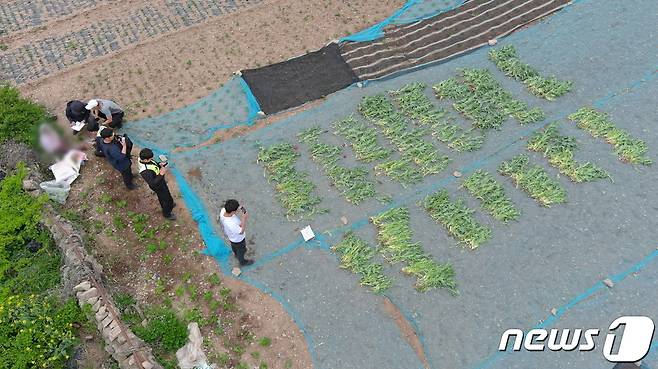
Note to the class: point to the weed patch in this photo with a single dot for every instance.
(352, 183)
(534, 180)
(295, 191)
(394, 235)
(509, 63)
(598, 124)
(356, 255)
(484, 187)
(410, 143)
(480, 98)
(416, 105)
(457, 219)
(559, 151)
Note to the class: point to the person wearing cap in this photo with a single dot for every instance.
(153, 174)
(108, 110)
(117, 152)
(234, 229)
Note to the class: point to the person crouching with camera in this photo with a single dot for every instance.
(117, 152)
(153, 174)
(234, 228)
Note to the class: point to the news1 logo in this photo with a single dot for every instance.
(633, 345)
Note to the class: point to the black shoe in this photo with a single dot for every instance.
(246, 262)
(99, 154)
(131, 186)
(171, 217)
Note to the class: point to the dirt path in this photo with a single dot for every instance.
(175, 68)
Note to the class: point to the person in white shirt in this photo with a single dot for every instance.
(234, 229)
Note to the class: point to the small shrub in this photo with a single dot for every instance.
(163, 330)
(19, 117)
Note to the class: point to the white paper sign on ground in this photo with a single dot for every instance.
(307, 233)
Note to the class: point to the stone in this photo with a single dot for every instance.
(457, 174)
(147, 365)
(493, 42)
(236, 271)
(343, 220)
(554, 311)
(108, 319)
(87, 295)
(84, 286)
(92, 301)
(101, 314)
(114, 333)
(97, 305)
(30, 185)
(608, 282)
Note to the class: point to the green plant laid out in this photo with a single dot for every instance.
(457, 219)
(484, 187)
(363, 140)
(480, 98)
(395, 237)
(416, 105)
(559, 151)
(295, 191)
(356, 255)
(410, 143)
(509, 63)
(353, 183)
(534, 180)
(598, 124)
(400, 170)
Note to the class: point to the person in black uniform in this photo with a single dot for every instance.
(154, 175)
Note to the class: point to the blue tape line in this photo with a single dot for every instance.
(254, 107)
(215, 246)
(291, 312)
(576, 300)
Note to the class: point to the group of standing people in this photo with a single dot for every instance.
(104, 117)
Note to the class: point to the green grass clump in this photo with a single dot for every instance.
(19, 118)
(352, 183)
(457, 219)
(480, 98)
(356, 255)
(485, 188)
(509, 63)
(559, 151)
(410, 142)
(295, 191)
(400, 170)
(534, 180)
(416, 105)
(598, 124)
(395, 237)
(363, 140)
(163, 329)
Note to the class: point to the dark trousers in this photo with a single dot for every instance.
(127, 176)
(239, 249)
(165, 199)
(117, 119)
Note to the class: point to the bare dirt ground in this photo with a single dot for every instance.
(171, 71)
(168, 268)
